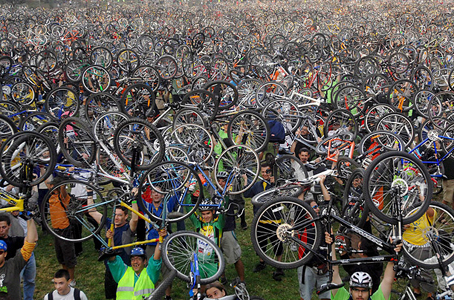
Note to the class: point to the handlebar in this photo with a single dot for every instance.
(329, 286)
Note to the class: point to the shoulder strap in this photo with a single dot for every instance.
(76, 294)
(50, 296)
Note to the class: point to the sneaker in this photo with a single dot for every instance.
(277, 275)
(73, 283)
(259, 267)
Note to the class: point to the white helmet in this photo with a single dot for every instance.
(361, 279)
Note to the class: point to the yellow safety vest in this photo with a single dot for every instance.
(127, 290)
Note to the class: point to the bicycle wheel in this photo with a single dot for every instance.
(149, 76)
(7, 128)
(137, 100)
(23, 93)
(62, 103)
(391, 187)
(268, 92)
(65, 211)
(197, 141)
(188, 116)
(375, 113)
(226, 93)
(277, 226)
(249, 128)
(340, 120)
(21, 153)
(50, 130)
(273, 193)
(437, 238)
(398, 124)
(96, 79)
(345, 166)
(141, 136)
(100, 103)
(377, 142)
(105, 125)
(289, 169)
(203, 100)
(284, 111)
(178, 252)
(237, 161)
(351, 98)
(34, 120)
(77, 142)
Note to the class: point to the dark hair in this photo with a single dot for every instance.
(264, 164)
(55, 180)
(303, 150)
(124, 209)
(62, 273)
(5, 218)
(368, 248)
(215, 284)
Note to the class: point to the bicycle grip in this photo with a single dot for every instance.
(422, 279)
(329, 286)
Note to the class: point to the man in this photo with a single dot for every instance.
(266, 183)
(10, 269)
(229, 243)
(63, 290)
(28, 274)
(140, 278)
(122, 234)
(65, 251)
(154, 203)
(360, 282)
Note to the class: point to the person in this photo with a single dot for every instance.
(215, 290)
(10, 269)
(65, 251)
(315, 272)
(154, 203)
(361, 282)
(63, 290)
(229, 244)
(28, 273)
(139, 279)
(266, 183)
(419, 247)
(123, 233)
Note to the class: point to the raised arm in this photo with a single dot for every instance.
(32, 233)
(336, 275)
(388, 277)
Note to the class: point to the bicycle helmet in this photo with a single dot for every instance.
(206, 204)
(361, 279)
(137, 251)
(222, 175)
(3, 246)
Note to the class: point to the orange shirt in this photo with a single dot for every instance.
(57, 211)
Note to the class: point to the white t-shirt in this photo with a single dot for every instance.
(69, 296)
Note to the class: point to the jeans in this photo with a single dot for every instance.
(28, 275)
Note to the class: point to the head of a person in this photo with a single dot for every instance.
(138, 259)
(62, 281)
(53, 181)
(360, 286)
(312, 203)
(222, 178)
(215, 290)
(3, 252)
(207, 211)
(5, 225)
(156, 196)
(265, 171)
(121, 216)
(303, 155)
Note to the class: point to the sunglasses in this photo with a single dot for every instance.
(315, 206)
(2, 252)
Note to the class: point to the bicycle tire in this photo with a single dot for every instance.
(34, 120)
(188, 116)
(275, 219)
(178, 250)
(23, 93)
(99, 103)
(354, 208)
(289, 168)
(145, 136)
(197, 141)
(341, 119)
(443, 222)
(273, 193)
(50, 130)
(160, 291)
(75, 211)
(237, 160)
(21, 153)
(268, 92)
(345, 166)
(204, 101)
(225, 92)
(404, 171)
(249, 128)
(96, 79)
(375, 113)
(77, 142)
(137, 100)
(399, 124)
(285, 111)
(384, 140)
(62, 102)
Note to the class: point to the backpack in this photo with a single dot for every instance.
(277, 132)
(76, 295)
